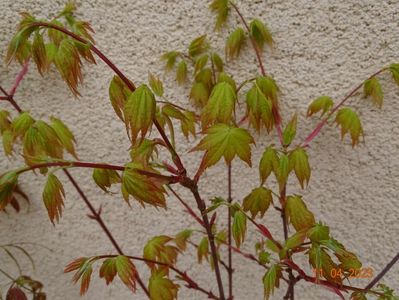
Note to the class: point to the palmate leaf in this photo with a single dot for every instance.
(161, 287)
(372, 88)
(349, 122)
(201, 62)
(139, 111)
(348, 260)
(221, 8)
(259, 109)
(39, 53)
(170, 58)
(322, 103)
(235, 42)
(224, 77)
(394, 69)
(143, 188)
(300, 164)
(298, 214)
(198, 46)
(181, 239)
(199, 94)
(271, 280)
(126, 271)
(318, 233)
(158, 249)
(323, 264)
(53, 197)
(65, 136)
(260, 33)
(8, 183)
(225, 141)
(258, 201)
(84, 269)
(21, 124)
(239, 227)
(290, 131)
(104, 178)
(269, 163)
(220, 106)
(155, 84)
(217, 62)
(118, 95)
(203, 249)
(181, 72)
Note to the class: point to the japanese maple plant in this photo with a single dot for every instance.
(211, 114)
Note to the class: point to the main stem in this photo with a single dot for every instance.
(95, 214)
(230, 261)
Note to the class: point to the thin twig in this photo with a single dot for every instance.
(229, 241)
(383, 272)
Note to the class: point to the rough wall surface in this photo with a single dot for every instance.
(322, 47)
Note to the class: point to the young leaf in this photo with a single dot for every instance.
(300, 164)
(200, 63)
(53, 197)
(126, 271)
(143, 188)
(234, 43)
(188, 124)
(394, 68)
(217, 62)
(198, 46)
(224, 77)
(295, 240)
(372, 88)
(8, 183)
(52, 145)
(349, 122)
(84, 269)
(143, 151)
(221, 8)
(39, 53)
(220, 106)
(140, 111)
(65, 136)
(104, 178)
(199, 94)
(290, 131)
(269, 163)
(8, 140)
(283, 171)
(322, 103)
(260, 33)
(259, 109)
(318, 233)
(348, 260)
(5, 122)
(203, 249)
(271, 280)
(258, 201)
(239, 227)
(205, 76)
(56, 36)
(181, 239)
(323, 264)
(181, 73)
(157, 249)
(170, 58)
(269, 88)
(22, 123)
(161, 287)
(358, 296)
(118, 95)
(108, 270)
(155, 84)
(298, 214)
(227, 141)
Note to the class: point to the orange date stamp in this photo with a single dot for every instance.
(351, 273)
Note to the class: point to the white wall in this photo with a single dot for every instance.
(322, 47)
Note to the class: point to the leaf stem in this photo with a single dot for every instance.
(323, 122)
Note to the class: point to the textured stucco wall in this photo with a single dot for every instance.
(322, 47)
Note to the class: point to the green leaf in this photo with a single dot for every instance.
(394, 68)
(143, 151)
(108, 270)
(162, 288)
(295, 240)
(298, 214)
(203, 249)
(84, 269)
(104, 178)
(268, 163)
(65, 136)
(271, 245)
(143, 188)
(234, 43)
(264, 257)
(8, 141)
(8, 183)
(5, 123)
(227, 141)
(181, 73)
(258, 201)
(118, 95)
(348, 260)
(349, 122)
(53, 197)
(140, 111)
(269, 88)
(283, 171)
(51, 52)
(19, 47)
(39, 53)
(259, 109)
(52, 145)
(300, 164)
(199, 94)
(220, 107)
(170, 58)
(155, 84)
(126, 271)
(372, 88)
(198, 46)
(271, 280)
(157, 249)
(318, 233)
(55, 35)
(290, 131)
(205, 76)
(239, 227)
(322, 103)
(181, 239)
(323, 264)
(201, 62)
(217, 62)
(260, 33)
(188, 124)
(358, 296)
(224, 77)
(22, 123)
(221, 8)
